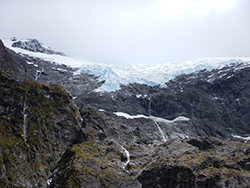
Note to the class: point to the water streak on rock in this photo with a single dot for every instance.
(25, 125)
(157, 125)
(127, 155)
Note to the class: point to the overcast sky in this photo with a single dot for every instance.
(132, 31)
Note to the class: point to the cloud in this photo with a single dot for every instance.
(129, 31)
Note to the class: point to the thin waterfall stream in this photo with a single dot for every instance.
(157, 125)
(25, 125)
(127, 155)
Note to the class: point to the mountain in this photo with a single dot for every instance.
(115, 75)
(182, 124)
(33, 45)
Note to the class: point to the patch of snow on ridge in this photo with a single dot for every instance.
(124, 74)
(122, 114)
(157, 119)
(245, 138)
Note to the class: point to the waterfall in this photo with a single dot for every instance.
(149, 106)
(48, 182)
(157, 125)
(25, 125)
(38, 73)
(127, 155)
(161, 132)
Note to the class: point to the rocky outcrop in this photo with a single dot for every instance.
(7, 63)
(33, 45)
(179, 163)
(92, 164)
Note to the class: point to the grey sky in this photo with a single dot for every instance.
(138, 31)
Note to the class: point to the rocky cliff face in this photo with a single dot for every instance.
(38, 123)
(199, 162)
(183, 137)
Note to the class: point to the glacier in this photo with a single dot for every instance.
(115, 75)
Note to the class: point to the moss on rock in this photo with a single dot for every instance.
(38, 123)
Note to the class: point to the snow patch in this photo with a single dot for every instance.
(157, 119)
(30, 63)
(122, 114)
(138, 96)
(245, 138)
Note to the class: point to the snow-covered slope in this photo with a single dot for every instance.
(33, 45)
(149, 74)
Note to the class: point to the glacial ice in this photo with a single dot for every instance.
(115, 75)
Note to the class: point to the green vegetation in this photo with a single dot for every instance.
(49, 113)
(85, 163)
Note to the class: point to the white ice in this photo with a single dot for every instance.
(149, 74)
(245, 138)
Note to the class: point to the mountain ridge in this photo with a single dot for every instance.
(191, 133)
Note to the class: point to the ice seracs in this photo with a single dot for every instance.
(115, 75)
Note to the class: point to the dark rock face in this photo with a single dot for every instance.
(33, 45)
(90, 165)
(182, 165)
(7, 62)
(105, 126)
(168, 177)
(217, 102)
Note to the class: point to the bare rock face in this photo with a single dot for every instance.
(180, 164)
(7, 62)
(33, 45)
(216, 102)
